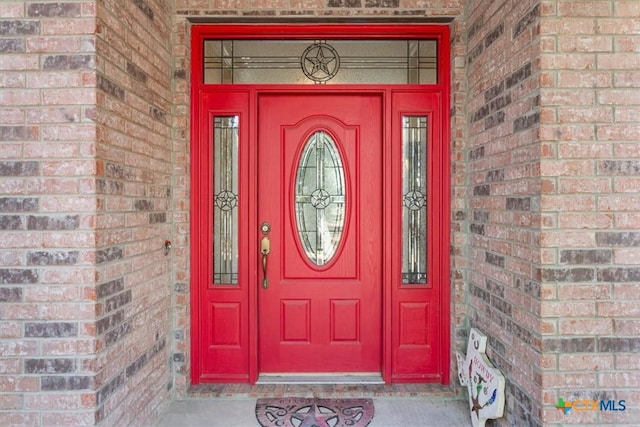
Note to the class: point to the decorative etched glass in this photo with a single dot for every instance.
(225, 200)
(320, 198)
(320, 61)
(414, 192)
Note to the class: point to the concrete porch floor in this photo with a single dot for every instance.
(406, 405)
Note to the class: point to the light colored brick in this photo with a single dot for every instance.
(586, 44)
(579, 9)
(619, 203)
(586, 327)
(19, 62)
(597, 362)
(619, 380)
(584, 185)
(618, 132)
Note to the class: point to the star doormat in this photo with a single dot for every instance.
(314, 412)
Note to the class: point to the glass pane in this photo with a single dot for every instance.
(320, 198)
(320, 61)
(414, 191)
(225, 200)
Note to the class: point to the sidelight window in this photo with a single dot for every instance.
(225, 200)
(414, 200)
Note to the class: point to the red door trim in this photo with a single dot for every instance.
(250, 221)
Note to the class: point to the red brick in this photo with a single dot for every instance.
(619, 308)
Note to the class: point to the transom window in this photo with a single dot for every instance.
(320, 62)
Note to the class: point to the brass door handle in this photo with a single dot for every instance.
(265, 248)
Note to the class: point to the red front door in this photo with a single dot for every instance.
(320, 192)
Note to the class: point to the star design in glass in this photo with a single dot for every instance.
(226, 200)
(320, 62)
(414, 200)
(320, 199)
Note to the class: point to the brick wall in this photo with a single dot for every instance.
(553, 160)
(590, 97)
(85, 207)
(134, 193)
(503, 187)
(47, 213)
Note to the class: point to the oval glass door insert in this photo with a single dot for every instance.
(320, 199)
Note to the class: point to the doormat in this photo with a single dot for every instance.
(314, 412)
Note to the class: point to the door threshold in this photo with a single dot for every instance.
(321, 378)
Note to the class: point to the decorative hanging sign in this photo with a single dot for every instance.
(485, 384)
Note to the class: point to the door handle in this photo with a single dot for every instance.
(265, 248)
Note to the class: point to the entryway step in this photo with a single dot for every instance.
(355, 378)
(431, 392)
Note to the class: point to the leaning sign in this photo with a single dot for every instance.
(485, 384)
